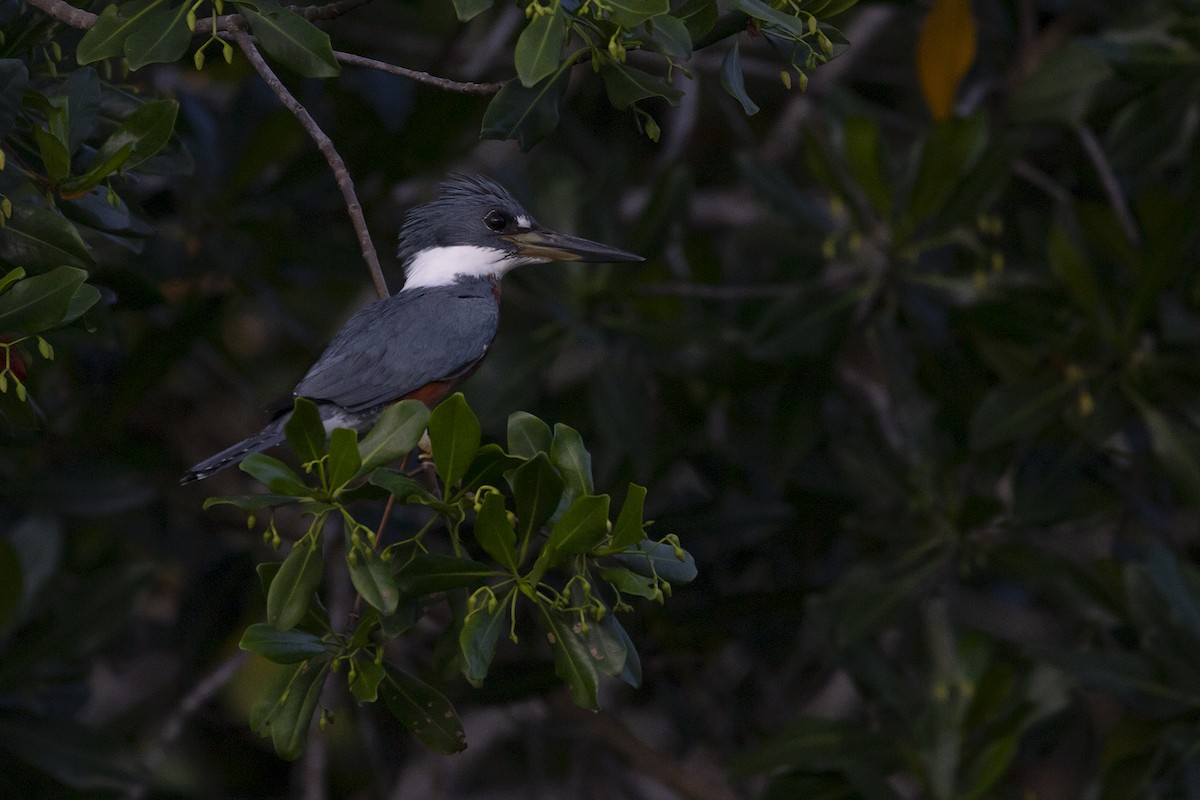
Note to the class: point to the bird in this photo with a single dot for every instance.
(426, 339)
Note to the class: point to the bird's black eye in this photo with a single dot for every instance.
(497, 221)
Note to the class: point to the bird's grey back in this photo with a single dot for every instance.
(396, 346)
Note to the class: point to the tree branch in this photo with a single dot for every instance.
(418, 76)
(325, 145)
(65, 13)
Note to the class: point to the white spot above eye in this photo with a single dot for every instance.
(442, 266)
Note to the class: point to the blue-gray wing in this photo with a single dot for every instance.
(398, 345)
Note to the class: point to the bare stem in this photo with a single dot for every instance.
(446, 84)
(65, 13)
(325, 145)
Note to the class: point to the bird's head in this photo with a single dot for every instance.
(474, 227)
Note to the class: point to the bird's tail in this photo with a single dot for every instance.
(267, 437)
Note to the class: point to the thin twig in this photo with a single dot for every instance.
(325, 145)
(200, 694)
(418, 76)
(1108, 179)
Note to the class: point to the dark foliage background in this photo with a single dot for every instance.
(920, 397)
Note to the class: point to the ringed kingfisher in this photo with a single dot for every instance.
(429, 337)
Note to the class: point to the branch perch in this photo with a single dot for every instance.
(448, 85)
(325, 145)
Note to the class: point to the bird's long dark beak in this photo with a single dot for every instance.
(563, 247)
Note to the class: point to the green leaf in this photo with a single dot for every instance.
(39, 239)
(991, 765)
(698, 16)
(489, 466)
(286, 708)
(1078, 275)
(1177, 448)
(669, 36)
(765, 13)
(469, 9)
(631, 13)
(293, 587)
(97, 172)
(537, 489)
(148, 129)
(401, 486)
(479, 635)
(527, 115)
(631, 670)
(428, 573)
(495, 533)
(1063, 87)
(573, 461)
(951, 149)
(317, 618)
(292, 40)
(251, 502)
(54, 155)
(628, 530)
(1017, 411)
(305, 432)
(454, 435)
(579, 529)
(14, 79)
(41, 302)
(37, 541)
(277, 476)
(423, 710)
(84, 298)
(629, 582)
(539, 46)
(607, 650)
(660, 558)
(626, 85)
(572, 661)
(82, 92)
(373, 580)
(106, 38)
(528, 435)
(396, 433)
(1176, 583)
(282, 647)
(161, 36)
(733, 82)
(364, 684)
(12, 583)
(865, 157)
(12, 276)
(344, 461)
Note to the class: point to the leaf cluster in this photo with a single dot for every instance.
(523, 529)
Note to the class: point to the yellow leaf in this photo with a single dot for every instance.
(945, 51)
